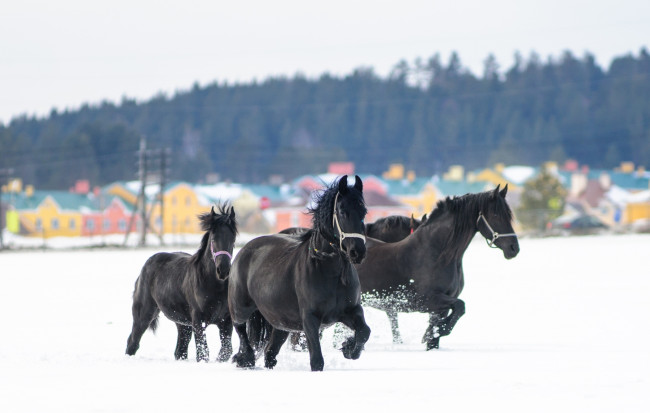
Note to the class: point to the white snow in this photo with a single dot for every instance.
(563, 327)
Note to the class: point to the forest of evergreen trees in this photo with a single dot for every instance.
(427, 114)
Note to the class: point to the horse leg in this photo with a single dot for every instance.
(311, 326)
(183, 341)
(278, 337)
(355, 320)
(447, 324)
(441, 324)
(225, 334)
(202, 351)
(246, 356)
(432, 334)
(145, 315)
(394, 326)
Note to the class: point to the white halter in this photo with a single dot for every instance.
(495, 235)
(343, 235)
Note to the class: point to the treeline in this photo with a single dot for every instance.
(427, 114)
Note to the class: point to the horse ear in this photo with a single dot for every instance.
(343, 185)
(424, 218)
(212, 211)
(504, 191)
(496, 190)
(358, 185)
(232, 212)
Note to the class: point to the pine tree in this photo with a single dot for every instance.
(541, 201)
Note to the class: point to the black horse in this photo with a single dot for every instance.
(191, 290)
(393, 228)
(424, 271)
(302, 282)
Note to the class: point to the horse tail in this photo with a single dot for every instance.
(259, 331)
(144, 306)
(153, 326)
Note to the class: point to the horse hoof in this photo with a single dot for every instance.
(433, 344)
(270, 363)
(244, 361)
(222, 357)
(350, 350)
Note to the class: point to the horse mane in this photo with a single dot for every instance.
(391, 221)
(323, 209)
(465, 210)
(322, 215)
(209, 223)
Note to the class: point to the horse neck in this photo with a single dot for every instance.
(322, 247)
(448, 234)
(202, 260)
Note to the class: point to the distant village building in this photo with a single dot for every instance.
(618, 197)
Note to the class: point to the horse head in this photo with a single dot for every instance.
(494, 222)
(221, 233)
(349, 211)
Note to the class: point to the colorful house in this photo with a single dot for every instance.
(114, 218)
(420, 194)
(51, 213)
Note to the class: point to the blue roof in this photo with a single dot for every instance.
(457, 188)
(66, 200)
(404, 187)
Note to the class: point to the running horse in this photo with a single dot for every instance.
(304, 282)
(424, 271)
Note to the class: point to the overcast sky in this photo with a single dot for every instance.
(60, 54)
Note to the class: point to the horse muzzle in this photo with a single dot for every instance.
(511, 249)
(223, 268)
(355, 249)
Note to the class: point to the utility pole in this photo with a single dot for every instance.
(164, 153)
(141, 201)
(142, 175)
(5, 174)
(147, 159)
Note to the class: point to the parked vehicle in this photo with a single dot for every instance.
(577, 225)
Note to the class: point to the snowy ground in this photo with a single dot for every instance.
(562, 327)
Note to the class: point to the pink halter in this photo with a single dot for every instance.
(216, 254)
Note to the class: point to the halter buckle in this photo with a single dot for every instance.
(495, 235)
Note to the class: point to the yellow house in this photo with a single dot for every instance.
(128, 191)
(493, 176)
(182, 205)
(636, 211)
(51, 214)
(419, 194)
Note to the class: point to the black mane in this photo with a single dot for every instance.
(323, 209)
(465, 209)
(209, 223)
(391, 222)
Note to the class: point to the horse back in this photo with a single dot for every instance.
(162, 278)
(383, 268)
(277, 275)
(261, 276)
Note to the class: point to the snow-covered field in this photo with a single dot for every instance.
(563, 327)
